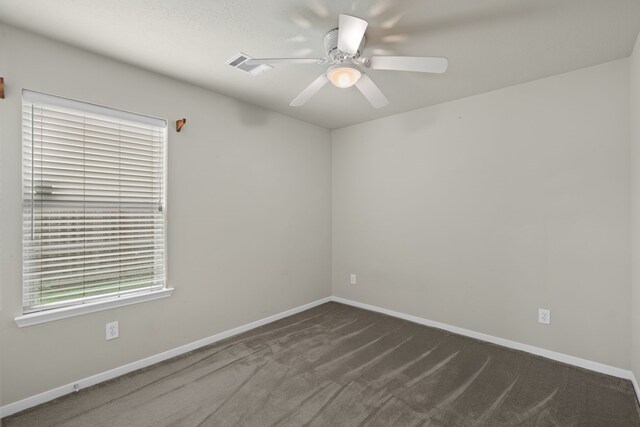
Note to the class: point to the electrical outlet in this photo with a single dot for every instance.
(353, 280)
(112, 330)
(544, 316)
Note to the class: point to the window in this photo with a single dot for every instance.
(93, 204)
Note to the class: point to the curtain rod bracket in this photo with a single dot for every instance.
(179, 124)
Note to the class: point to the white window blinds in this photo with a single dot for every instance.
(93, 202)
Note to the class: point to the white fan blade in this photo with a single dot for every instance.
(310, 90)
(409, 63)
(370, 91)
(350, 33)
(274, 61)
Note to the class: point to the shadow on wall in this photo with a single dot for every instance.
(419, 119)
(252, 116)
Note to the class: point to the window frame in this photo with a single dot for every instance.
(111, 301)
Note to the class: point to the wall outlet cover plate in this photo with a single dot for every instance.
(112, 331)
(544, 316)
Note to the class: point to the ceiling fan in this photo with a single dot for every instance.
(344, 45)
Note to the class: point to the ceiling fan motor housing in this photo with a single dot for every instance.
(331, 47)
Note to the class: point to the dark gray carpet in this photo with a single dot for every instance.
(336, 365)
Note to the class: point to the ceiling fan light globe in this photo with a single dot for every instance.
(343, 77)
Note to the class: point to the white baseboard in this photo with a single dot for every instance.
(46, 396)
(634, 381)
(560, 357)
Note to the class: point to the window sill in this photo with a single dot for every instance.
(77, 310)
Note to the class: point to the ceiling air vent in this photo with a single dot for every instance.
(239, 61)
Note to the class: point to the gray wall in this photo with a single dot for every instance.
(248, 217)
(479, 211)
(635, 199)
(474, 213)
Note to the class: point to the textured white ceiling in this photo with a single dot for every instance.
(490, 43)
